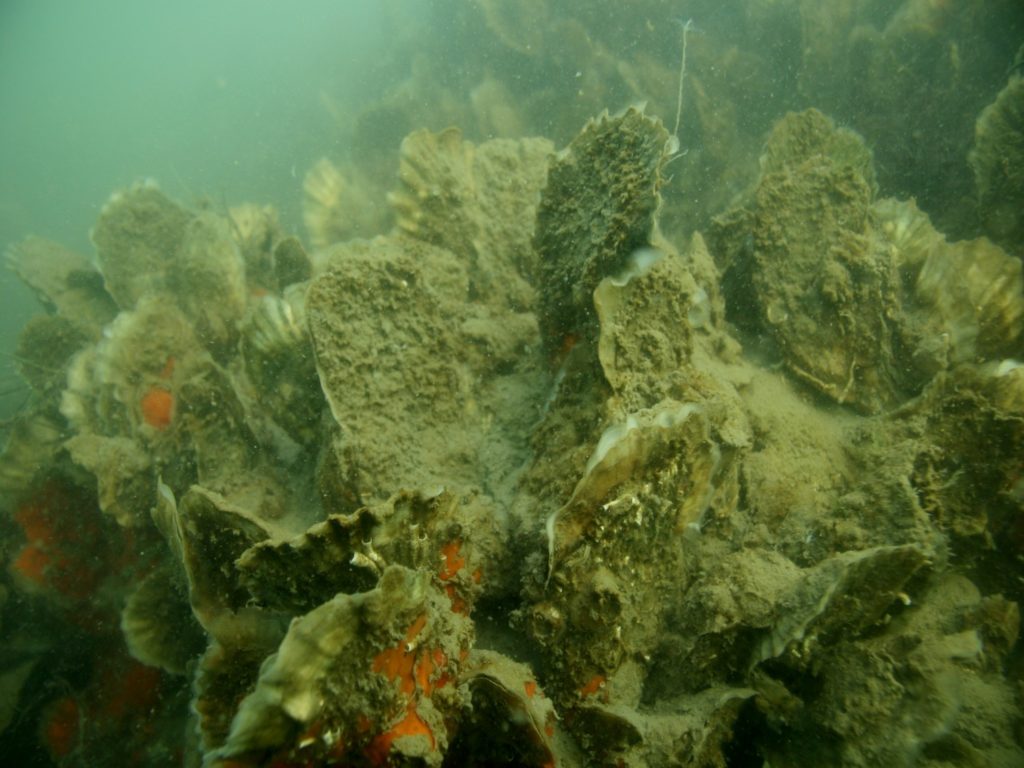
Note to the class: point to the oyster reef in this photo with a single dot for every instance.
(632, 446)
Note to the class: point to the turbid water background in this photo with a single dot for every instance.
(227, 101)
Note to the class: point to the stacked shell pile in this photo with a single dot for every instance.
(523, 482)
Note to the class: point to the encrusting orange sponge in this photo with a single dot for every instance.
(157, 407)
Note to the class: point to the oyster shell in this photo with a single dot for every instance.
(964, 301)
(937, 644)
(224, 676)
(158, 625)
(32, 443)
(137, 238)
(279, 362)
(599, 207)
(827, 294)
(462, 197)
(125, 477)
(148, 245)
(452, 405)
(152, 345)
(209, 282)
(846, 284)
(997, 160)
(336, 208)
(64, 281)
(840, 597)
(696, 729)
(506, 691)
(366, 674)
(208, 534)
(460, 543)
(257, 233)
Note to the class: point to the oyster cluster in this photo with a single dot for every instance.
(517, 482)
(865, 300)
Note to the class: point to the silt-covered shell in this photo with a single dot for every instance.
(148, 245)
(64, 281)
(451, 372)
(477, 201)
(137, 238)
(998, 163)
(826, 293)
(599, 207)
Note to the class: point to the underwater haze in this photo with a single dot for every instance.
(541, 383)
(225, 101)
